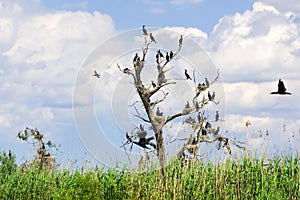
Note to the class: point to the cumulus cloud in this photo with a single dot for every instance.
(40, 55)
(254, 49)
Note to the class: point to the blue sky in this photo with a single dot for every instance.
(131, 14)
(44, 46)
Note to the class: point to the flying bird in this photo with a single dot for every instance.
(144, 30)
(180, 40)
(281, 89)
(152, 38)
(96, 74)
(187, 75)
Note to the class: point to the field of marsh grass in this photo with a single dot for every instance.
(248, 178)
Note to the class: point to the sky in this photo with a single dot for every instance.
(49, 49)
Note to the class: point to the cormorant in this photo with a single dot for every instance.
(136, 58)
(158, 113)
(152, 38)
(96, 74)
(180, 40)
(9, 153)
(209, 96)
(153, 84)
(187, 105)
(204, 132)
(213, 96)
(281, 89)
(207, 125)
(199, 117)
(126, 70)
(159, 54)
(197, 106)
(217, 131)
(171, 55)
(206, 82)
(187, 75)
(144, 30)
(167, 57)
(217, 116)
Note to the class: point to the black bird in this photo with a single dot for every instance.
(144, 30)
(209, 96)
(126, 70)
(217, 116)
(9, 153)
(206, 82)
(199, 117)
(180, 40)
(207, 125)
(281, 89)
(171, 55)
(187, 75)
(152, 38)
(197, 106)
(204, 132)
(158, 113)
(159, 54)
(136, 58)
(187, 105)
(153, 84)
(213, 96)
(96, 74)
(167, 57)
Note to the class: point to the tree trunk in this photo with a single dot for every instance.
(161, 152)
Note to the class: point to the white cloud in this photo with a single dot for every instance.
(40, 54)
(287, 5)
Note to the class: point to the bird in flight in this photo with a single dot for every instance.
(152, 38)
(144, 30)
(96, 74)
(281, 89)
(187, 75)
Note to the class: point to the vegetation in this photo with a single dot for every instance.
(247, 179)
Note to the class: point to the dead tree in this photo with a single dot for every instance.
(43, 158)
(157, 119)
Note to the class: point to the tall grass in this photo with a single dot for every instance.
(246, 179)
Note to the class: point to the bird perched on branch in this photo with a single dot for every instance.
(144, 30)
(180, 40)
(152, 38)
(187, 75)
(281, 89)
(96, 74)
(153, 84)
(136, 58)
(217, 116)
(158, 113)
(167, 57)
(171, 54)
(206, 82)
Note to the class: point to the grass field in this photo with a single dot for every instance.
(247, 179)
